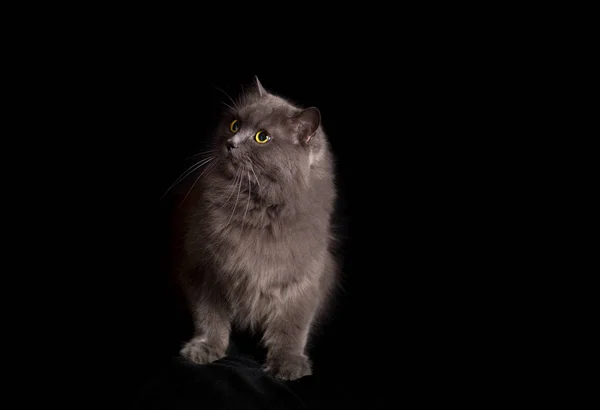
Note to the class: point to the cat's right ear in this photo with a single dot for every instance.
(308, 122)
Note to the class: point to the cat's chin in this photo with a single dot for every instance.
(231, 167)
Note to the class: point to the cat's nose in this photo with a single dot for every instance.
(231, 144)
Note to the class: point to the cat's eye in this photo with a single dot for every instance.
(262, 137)
(234, 126)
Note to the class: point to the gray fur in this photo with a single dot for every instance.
(257, 238)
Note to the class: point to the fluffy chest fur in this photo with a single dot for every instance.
(264, 257)
(253, 239)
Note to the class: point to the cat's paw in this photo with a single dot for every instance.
(199, 352)
(288, 367)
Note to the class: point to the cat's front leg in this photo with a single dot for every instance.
(285, 337)
(211, 338)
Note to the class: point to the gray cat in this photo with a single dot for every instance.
(257, 237)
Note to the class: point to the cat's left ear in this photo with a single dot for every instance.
(308, 121)
(261, 90)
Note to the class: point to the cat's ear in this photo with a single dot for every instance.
(259, 87)
(308, 121)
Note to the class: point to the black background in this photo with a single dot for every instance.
(412, 140)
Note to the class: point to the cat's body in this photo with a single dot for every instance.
(257, 233)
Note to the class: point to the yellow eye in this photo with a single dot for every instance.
(262, 137)
(234, 126)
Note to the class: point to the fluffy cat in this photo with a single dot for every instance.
(256, 229)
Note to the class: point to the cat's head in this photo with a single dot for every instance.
(267, 137)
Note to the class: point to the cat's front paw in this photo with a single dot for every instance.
(198, 351)
(288, 367)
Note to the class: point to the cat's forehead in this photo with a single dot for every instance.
(272, 110)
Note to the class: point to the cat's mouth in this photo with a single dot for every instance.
(235, 158)
(234, 164)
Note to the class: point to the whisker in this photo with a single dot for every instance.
(264, 171)
(196, 181)
(228, 106)
(255, 177)
(258, 166)
(249, 195)
(212, 151)
(187, 173)
(236, 200)
(228, 96)
(239, 173)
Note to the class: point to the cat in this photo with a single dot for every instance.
(257, 232)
